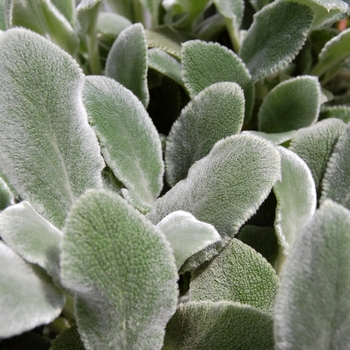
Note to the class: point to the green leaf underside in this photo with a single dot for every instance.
(187, 235)
(128, 139)
(205, 64)
(313, 306)
(276, 36)
(127, 61)
(239, 274)
(111, 24)
(291, 105)
(216, 112)
(296, 198)
(326, 11)
(336, 181)
(40, 105)
(164, 63)
(69, 339)
(334, 52)
(28, 297)
(315, 145)
(274, 138)
(227, 186)
(122, 271)
(219, 325)
(167, 39)
(339, 112)
(31, 236)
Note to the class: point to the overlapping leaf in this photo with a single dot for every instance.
(296, 198)
(127, 61)
(313, 305)
(31, 236)
(187, 235)
(227, 186)
(205, 64)
(276, 36)
(40, 102)
(67, 8)
(28, 298)
(128, 139)
(122, 271)
(274, 138)
(339, 112)
(213, 114)
(291, 105)
(219, 325)
(238, 274)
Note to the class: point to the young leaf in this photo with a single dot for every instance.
(122, 271)
(162, 62)
(296, 198)
(205, 64)
(69, 339)
(28, 298)
(219, 325)
(276, 36)
(291, 105)
(187, 235)
(216, 112)
(333, 53)
(127, 61)
(313, 307)
(336, 181)
(128, 139)
(227, 186)
(315, 145)
(31, 236)
(239, 274)
(110, 25)
(40, 105)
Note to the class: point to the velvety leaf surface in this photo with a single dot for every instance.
(187, 235)
(336, 181)
(296, 198)
(239, 274)
(216, 112)
(129, 141)
(276, 36)
(40, 107)
(315, 145)
(87, 12)
(111, 24)
(313, 305)
(31, 236)
(219, 325)
(205, 64)
(334, 52)
(67, 8)
(227, 186)
(122, 271)
(231, 9)
(127, 61)
(28, 298)
(274, 138)
(69, 339)
(291, 105)
(164, 63)
(262, 239)
(339, 112)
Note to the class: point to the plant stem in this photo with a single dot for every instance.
(68, 309)
(233, 33)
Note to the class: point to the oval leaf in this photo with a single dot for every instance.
(296, 198)
(31, 236)
(205, 64)
(220, 325)
(336, 181)
(28, 298)
(265, 49)
(216, 112)
(187, 235)
(313, 305)
(49, 152)
(239, 274)
(291, 105)
(129, 141)
(127, 61)
(122, 271)
(238, 173)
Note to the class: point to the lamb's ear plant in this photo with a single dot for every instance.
(174, 174)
